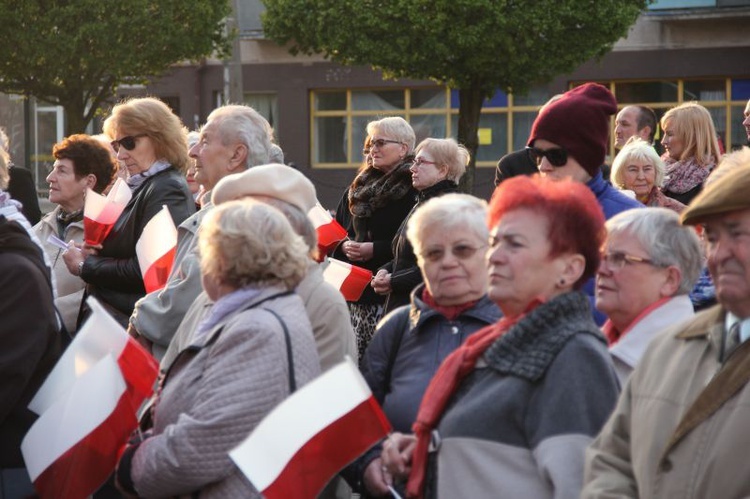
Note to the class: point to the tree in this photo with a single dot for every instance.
(75, 53)
(474, 46)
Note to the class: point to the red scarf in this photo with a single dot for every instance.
(447, 379)
(449, 311)
(613, 335)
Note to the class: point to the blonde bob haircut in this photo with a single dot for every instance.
(249, 243)
(444, 214)
(446, 152)
(636, 149)
(150, 116)
(693, 125)
(394, 128)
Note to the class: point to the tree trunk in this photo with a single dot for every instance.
(75, 121)
(469, 110)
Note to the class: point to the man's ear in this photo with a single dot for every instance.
(239, 158)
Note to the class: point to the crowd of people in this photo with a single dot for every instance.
(582, 333)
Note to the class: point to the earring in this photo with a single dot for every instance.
(562, 282)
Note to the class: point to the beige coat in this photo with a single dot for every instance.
(681, 427)
(69, 287)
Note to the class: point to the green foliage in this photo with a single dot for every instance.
(75, 53)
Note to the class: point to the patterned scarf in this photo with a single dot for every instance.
(684, 175)
(447, 379)
(373, 189)
(135, 181)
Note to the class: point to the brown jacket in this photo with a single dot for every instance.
(680, 428)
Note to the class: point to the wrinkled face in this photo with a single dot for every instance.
(727, 239)
(626, 125)
(453, 265)
(639, 176)
(671, 142)
(141, 157)
(211, 157)
(386, 152)
(520, 267)
(64, 188)
(425, 172)
(623, 293)
(572, 169)
(746, 121)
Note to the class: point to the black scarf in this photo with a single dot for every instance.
(373, 189)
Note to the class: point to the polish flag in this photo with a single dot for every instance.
(73, 447)
(330, 232)
(100, 213)
(349, 279)
(100, 336)
(325, 425)
(156, 249)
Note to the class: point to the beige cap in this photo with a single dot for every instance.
(729, 193)
(274, 180)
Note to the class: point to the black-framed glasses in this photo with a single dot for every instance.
(616, 260)
(419, 161)
(381, 142)
(460, 251)
(128, 142)
(557, 157)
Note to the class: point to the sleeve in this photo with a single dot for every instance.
(608, 472)
(242, 380)
(157, 315)
(568, 410)
(343, 217)
(405, 280)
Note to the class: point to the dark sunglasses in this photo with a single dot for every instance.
(127, 142)
(557, 157)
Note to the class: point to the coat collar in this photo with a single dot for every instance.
(485, 310)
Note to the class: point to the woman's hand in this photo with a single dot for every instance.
(381, 283)
(396, 456)
(376, 479)
(357, 252)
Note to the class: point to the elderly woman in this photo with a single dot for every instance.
(449, 236)
(692, 150)
(515, 406)
(81, 162)
(649, 265)
(437, 167)
(252, 350)
(151, 141)
(372, 209)
(638, 168)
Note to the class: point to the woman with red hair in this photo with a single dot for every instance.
(510, 412)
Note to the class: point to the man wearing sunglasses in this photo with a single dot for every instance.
(569, 139)
(234, 138)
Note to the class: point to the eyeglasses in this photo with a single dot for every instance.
(381, 142)
(460, 251)
(419, 161)
(365, 151)
(127, 142)
(557, 157)
(616, 260)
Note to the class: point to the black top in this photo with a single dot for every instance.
(21, 188)
(513, 164)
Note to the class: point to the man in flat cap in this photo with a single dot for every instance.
(680, 428)
(234, 138)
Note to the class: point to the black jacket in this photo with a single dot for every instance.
(114, 276)
(513, 164)
(21, 188)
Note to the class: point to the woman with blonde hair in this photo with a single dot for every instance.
(692, 150)
(638, 168)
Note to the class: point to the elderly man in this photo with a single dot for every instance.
(680, 425)
(234, 138)
(634, 120)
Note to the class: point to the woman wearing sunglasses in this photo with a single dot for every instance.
(515, 406)
(372, 209)
(437, 167)
(151, 141)
(449, 237)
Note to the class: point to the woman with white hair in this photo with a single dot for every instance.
(251, 351)
(649, 265)
(638, 168)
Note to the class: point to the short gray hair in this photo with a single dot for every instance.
(449, 153)
(667, 242)
(396, 128)
(237, 122)
(446, 213)
(636, 149)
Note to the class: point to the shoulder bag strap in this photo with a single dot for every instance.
(289, 354)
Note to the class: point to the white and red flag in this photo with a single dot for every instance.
(330, 232)
(347, 278)
(100, 213)
(156, 250)
(324, 426)
(73, 447)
